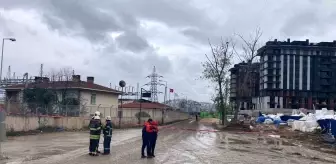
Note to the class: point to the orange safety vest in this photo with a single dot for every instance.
(149, 127)
(155, 126)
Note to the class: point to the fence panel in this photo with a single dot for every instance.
(35, 109)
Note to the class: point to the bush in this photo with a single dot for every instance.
(142, 114)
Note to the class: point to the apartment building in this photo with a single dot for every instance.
(247, 96)
(297, 74)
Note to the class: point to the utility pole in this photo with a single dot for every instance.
(2, 54)
(41, 71)
(165, 94)
(122, 84)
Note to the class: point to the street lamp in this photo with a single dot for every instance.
(122, 84)
(143, 94)
(165, 95)
(2, 52)
(186, 101)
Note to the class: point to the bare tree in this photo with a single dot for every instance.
(248, 55)
(63, 74)
(250, 46)
(216, 68)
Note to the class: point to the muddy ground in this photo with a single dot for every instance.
(184, 142)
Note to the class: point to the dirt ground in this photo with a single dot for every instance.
(184, 142)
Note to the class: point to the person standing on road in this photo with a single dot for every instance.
(150, 135)
(95, 130)
(145, 139)
(154, 137)
(97, 113)
(107, 135)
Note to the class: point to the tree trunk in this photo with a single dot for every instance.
(221, 103)
(236, 110)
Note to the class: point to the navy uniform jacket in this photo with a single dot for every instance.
(95, 129)
(108, 129)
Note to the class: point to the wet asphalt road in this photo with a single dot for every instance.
(174, 146)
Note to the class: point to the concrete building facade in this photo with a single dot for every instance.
(244, 97)
(85, 93)
(297, 74)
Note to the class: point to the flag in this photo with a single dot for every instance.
(171, 90)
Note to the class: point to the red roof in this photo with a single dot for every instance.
(145, 105)
(63, 85)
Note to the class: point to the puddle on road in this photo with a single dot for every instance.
(235, 141)
(312, 158)
(41, 155)
(240, 150)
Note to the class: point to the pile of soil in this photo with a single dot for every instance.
(237, 127)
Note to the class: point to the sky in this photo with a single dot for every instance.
(115, 40)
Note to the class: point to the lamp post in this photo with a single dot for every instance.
(2, 53)
(122, 84)
(165, 95)
(143, 94)
(186, 101)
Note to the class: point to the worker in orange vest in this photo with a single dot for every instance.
(154, 136)
(150, 135)
(146, 138)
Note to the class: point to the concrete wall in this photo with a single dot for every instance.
(21, 123)
(131, 112)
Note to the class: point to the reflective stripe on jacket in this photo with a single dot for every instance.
(108, 129)
(95, 129)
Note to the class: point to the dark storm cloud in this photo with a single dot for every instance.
(131, 55)
(133, 42)
(94, 20)
(87, 18)
(137, 66)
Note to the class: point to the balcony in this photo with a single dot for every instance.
(273, 82)
(325, 82)
(325, 68)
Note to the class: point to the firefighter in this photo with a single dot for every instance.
(107, 135)
(97, 113)
(154, 136)
(95, 130)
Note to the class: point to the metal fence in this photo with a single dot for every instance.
(65, 115)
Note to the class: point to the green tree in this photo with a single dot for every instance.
(40, 99)
(215, 69)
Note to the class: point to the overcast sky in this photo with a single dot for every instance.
(123, 39)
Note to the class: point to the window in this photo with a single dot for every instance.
(93, 99)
